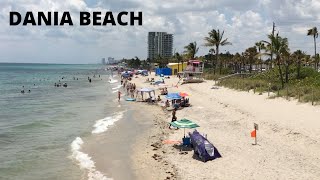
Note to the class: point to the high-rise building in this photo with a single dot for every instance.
(103, 61)
(111, 60)
(159, 43)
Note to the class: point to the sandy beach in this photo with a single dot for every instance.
(288, 136)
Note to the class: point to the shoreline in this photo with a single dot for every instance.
(115, 151)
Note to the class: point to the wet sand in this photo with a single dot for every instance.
(149, 156)
(112, 150)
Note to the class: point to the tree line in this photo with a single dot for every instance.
(272, 53)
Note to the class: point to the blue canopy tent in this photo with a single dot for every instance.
(125, 74)
(173, 96)
(144, 72)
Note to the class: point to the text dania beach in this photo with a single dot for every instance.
(85, 18)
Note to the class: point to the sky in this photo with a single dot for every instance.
(244, 22)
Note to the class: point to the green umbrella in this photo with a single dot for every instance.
(184, 123)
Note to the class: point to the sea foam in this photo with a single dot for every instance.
(103, 124)
(117, 87)
(112, 81)
(85, 161)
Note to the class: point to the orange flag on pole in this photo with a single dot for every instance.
(253, 133)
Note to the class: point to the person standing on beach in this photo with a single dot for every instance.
(174, 117)
(119, 96)
(128, 87)
(132, 92)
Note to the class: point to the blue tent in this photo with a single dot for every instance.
(202, 147)
(144, 72)
(164, 71)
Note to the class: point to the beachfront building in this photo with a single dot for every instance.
(159, 44)
(111, 60)
(194, 66)
(193, 72)
(177, 67)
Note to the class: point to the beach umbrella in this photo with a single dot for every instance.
(184, 123)
(173, 96)
(125, 75)
(183, 94)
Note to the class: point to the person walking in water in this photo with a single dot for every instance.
(119, 96)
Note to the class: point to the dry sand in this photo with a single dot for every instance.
(288, 137)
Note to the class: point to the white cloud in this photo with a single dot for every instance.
(244, 21)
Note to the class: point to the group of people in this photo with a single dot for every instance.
(184, 102)
(60, 84)
(129, 87)
(164, 91)
(23, 91)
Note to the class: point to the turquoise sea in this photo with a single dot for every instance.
(41, 132)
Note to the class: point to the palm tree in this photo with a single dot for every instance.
(260, 46)
(211, 51)
(298, 55)
(237, 62)
(314, 32)
(251, 53)
(278, 47)
(159, 59)
(191, 49)
(287, 61)
(215, 39)
(178, 57)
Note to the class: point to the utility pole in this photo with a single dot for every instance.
(271, 58)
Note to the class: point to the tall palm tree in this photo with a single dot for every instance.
(314, 32)
(237, 62)
(211, 52)
(251, 53)
(215, 39)
(260, 46)
(191, 49)
(287, 62)
(178, 58)
(298, 55)
(278, 47)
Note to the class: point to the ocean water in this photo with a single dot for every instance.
(42, 132)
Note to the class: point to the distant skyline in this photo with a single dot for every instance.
(244, 21)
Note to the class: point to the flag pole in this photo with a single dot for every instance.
(255, 129)
(256, 136)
